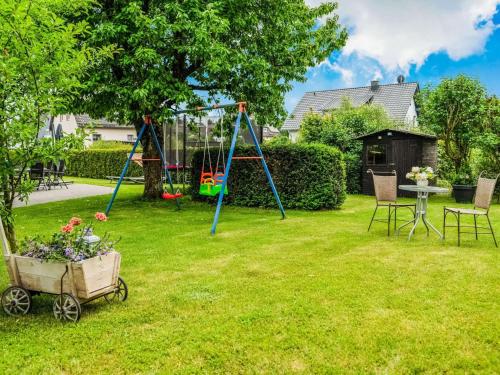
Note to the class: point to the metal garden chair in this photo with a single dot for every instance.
(39, 173)
(482, 202)
(58, 174)
(386, 191)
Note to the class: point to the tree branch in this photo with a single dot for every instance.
(204, 88)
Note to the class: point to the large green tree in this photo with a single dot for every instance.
(171, 53)
(489, 140)
(454, 110)
(40, 61)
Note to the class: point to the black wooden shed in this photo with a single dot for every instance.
(399, 150)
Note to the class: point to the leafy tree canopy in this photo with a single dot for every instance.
(455, 111)
(40, 62)
(339, 127)
(174, 53)
(169, 52)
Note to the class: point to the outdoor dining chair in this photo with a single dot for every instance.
(482, 202)
(386, 191)
(40, 174)
(58, 174)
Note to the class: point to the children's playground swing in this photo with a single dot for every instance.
(213, 181)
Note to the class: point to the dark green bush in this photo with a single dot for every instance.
(100, 164)
(353, 167)
(307, 176)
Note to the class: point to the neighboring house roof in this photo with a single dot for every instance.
(395, 98)
(270, 131)
(401, 131)
(85, 120)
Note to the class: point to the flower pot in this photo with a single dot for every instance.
(422, 182)
(464, 193)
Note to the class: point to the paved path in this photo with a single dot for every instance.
(58, 194)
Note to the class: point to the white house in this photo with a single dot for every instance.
(102, 129)
(397, 99)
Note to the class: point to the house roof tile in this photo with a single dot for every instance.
(394, 98)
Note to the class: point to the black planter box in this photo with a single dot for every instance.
(464, 193)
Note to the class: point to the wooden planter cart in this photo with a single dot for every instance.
(73, 283)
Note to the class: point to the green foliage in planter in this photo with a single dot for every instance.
(307, 176)
(100, 164)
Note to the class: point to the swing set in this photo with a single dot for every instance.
(213, 181)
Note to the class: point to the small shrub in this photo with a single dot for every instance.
(307, 176)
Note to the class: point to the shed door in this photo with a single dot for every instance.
(405, 155)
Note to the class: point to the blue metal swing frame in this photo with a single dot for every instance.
(242, 113)
(147, 125)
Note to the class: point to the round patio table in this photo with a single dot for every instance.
(421, 208)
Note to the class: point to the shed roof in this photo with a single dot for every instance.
(401, 131)
(395, 98)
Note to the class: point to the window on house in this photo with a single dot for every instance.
(130, 138)
(376, 154)
(96, 137)
(67, 117)
(61, 117)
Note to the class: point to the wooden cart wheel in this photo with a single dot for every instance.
(120, 293)
(67, 308)
(16, 301)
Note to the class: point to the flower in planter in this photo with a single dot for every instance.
(71, 243)
(420, 174)
(101, 216)
(68, 228)
(75, 221)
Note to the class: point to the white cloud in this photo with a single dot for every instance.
(395, 35)
(347, 75)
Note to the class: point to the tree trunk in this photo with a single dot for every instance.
(153, 187)
(7, 219)
(10, 233)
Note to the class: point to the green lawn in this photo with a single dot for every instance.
(312, 293)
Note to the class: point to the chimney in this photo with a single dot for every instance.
(374, 85)
(401, 78)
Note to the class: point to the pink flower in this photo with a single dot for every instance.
(75, 221)
(68, 228)
(101, 216)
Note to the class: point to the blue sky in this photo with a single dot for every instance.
(424, 40)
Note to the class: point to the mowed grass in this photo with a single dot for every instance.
(313, 293)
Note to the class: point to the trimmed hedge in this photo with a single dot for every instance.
(307, 176)
(354, 168)
(100, 164)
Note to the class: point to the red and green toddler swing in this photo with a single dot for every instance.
(210, 182)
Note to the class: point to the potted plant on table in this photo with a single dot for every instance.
(421, 175)
(463, 186)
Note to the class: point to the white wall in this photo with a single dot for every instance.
(293, 135)
(116, 134)
(411, 115)
(69, 125)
